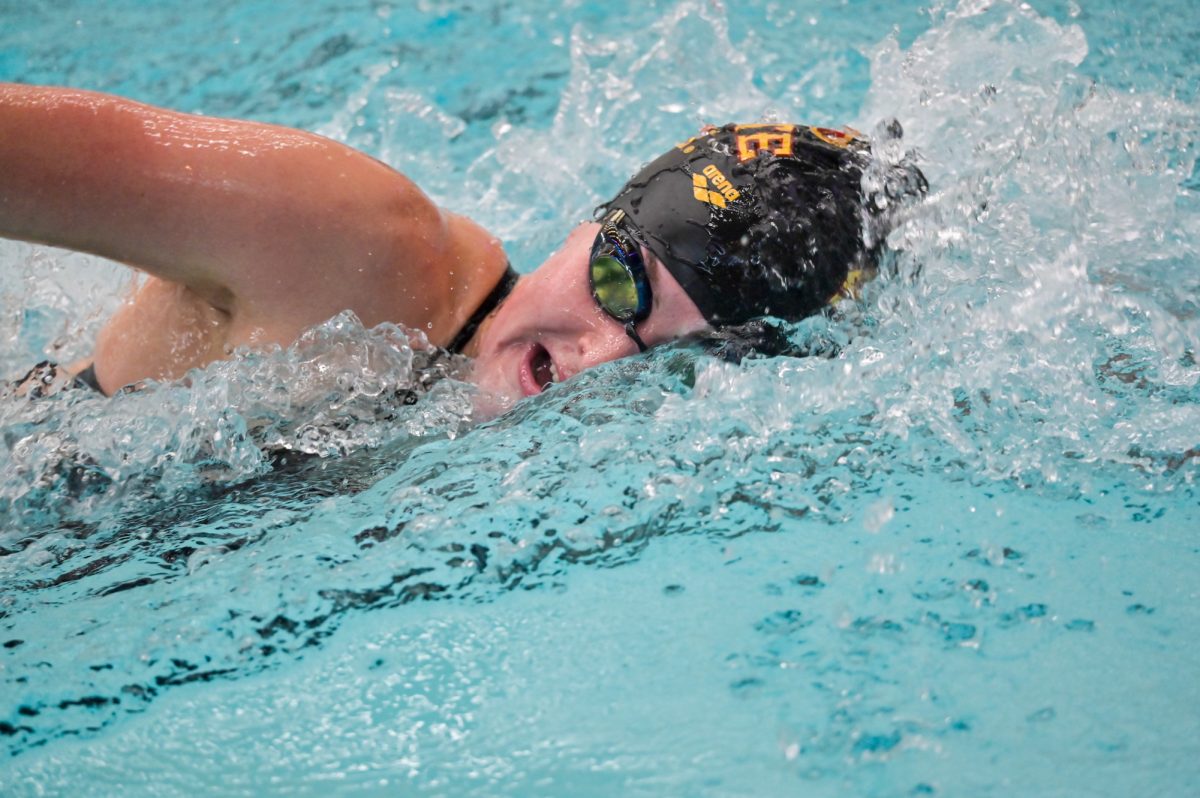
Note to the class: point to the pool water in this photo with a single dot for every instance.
(953, 555)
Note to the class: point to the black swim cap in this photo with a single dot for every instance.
(761, 220)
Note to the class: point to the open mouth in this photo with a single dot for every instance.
(538, 370)
(541, 365)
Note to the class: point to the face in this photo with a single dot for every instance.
(551, 328)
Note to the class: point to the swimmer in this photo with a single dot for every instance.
(252, 233)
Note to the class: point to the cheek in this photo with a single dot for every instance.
(561, 287)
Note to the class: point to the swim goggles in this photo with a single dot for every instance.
(618, 276)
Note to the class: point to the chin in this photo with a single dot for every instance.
(490, 405)
(491, 400)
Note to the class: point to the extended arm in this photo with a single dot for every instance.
(251, 216)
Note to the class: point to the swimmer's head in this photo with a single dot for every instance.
(762, 220)
(715, 239)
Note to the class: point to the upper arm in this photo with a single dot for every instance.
(242, 212)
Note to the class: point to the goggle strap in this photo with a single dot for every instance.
(632, 333)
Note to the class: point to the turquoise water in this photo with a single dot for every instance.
(955, 557)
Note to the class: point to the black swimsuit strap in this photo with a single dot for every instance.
(490, 303)
(87, 377)
(39, 381)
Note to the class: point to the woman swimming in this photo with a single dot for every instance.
(252, 233)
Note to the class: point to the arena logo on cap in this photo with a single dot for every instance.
(725, 190)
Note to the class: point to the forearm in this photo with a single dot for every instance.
(64, 171)
(202, 201)
(244, 213)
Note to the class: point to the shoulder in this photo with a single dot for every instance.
(376, 244)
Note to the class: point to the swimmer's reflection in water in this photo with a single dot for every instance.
(253, 233)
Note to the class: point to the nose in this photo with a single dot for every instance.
(604, 340)
(576, 331)
(579, 335)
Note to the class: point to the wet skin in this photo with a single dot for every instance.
(252, 233)
(551, 328)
